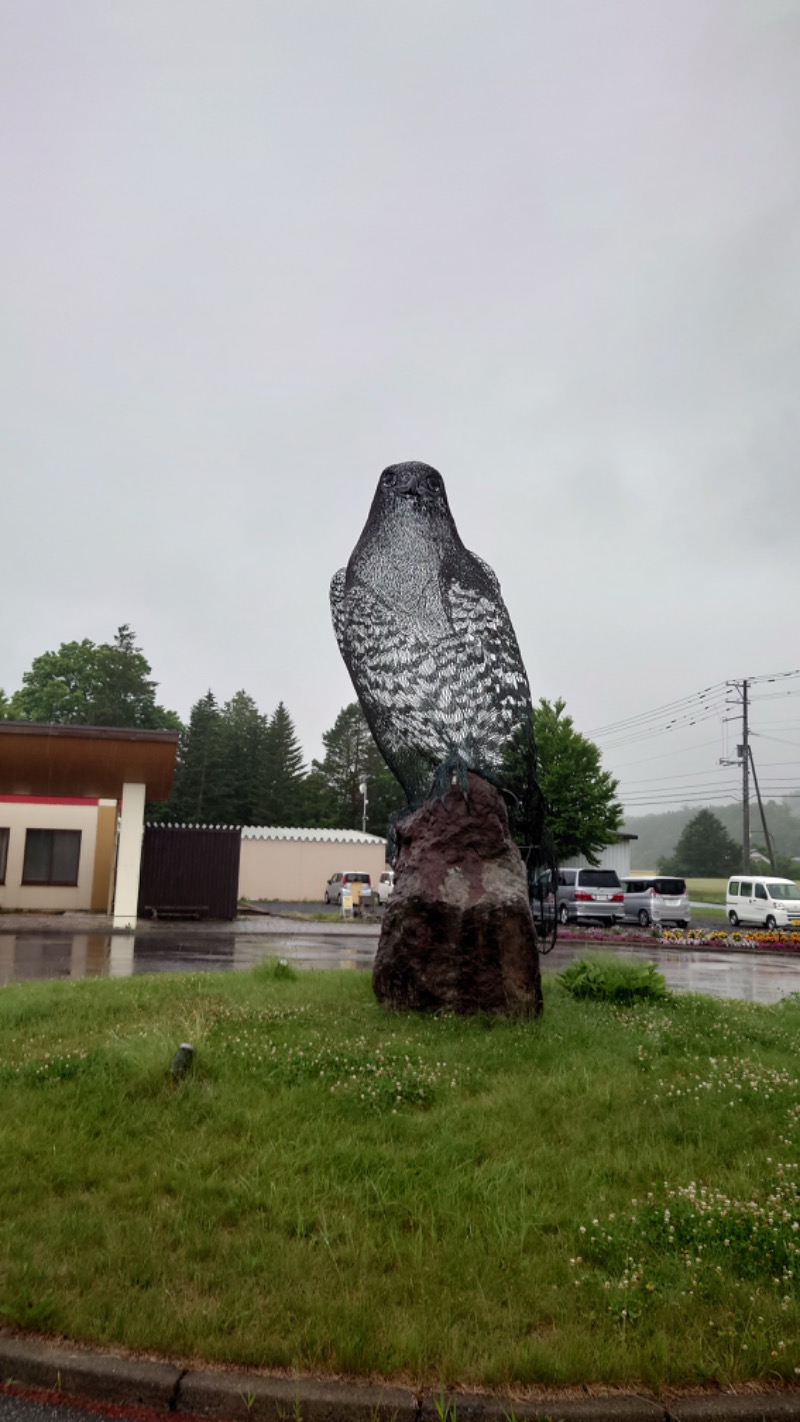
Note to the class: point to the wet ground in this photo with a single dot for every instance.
(31, 950)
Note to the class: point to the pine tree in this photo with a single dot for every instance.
(243, 733)
(197, 795)
(705, 850)
(351, 757)
(280, 799)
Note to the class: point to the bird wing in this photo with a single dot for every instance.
(337, 600)
(434, 686)
(492, 682)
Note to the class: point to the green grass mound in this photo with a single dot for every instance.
(607, 1194)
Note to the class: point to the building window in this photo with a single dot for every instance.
(51, 856)
(3, 854)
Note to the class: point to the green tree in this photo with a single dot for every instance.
(6, 712)
(90, 684)
(242, 737)
(280, 799)
(351, 758)
(705, 850)
(583, 814)
(196, 797)
(317, 801)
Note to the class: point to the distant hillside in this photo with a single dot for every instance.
(658, 834)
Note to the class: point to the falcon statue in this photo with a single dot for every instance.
(426, 637)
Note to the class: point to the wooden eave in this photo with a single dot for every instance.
(94, 761)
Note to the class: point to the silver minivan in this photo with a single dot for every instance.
(660, 899)
(589, 894)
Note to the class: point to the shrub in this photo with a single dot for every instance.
(610, 979)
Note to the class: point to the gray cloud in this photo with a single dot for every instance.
(251, 255)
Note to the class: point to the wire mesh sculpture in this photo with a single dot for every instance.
(425, 634)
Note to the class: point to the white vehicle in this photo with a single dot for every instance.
(342, 883)
(385, 885)
(762, 899)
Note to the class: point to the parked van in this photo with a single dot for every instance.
(763, 899)
(660, 899)
(589, 894)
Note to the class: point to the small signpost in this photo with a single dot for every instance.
(347, 904)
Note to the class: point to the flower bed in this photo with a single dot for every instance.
(787, 940)
(781, 940)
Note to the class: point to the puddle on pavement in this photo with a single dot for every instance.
(25, 957)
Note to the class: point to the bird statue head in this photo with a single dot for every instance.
(413, 480)
(411, 501)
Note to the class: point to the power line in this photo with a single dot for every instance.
(729, 797)
(775, 676)
(682, 723)
(660, 711)
(665, 755)
(683, 703)
(684, 713)
(775, 695)
(692, 779)
(659, 779)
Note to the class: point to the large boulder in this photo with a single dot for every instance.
(458, 932)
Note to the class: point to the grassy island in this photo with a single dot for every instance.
(607, 1194)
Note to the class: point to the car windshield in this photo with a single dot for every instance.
(784, 891)
(600, 878)
(669, 886)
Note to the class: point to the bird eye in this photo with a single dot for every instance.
(433, 482)
(389, 478)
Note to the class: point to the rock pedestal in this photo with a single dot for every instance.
(458, 932)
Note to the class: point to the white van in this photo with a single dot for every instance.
(768, 901)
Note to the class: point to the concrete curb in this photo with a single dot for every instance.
(105, 1376)
(112, 1379)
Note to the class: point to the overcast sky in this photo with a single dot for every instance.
(252, 252)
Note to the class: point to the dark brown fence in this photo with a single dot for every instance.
(189, 872)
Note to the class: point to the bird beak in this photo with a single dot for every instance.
(410, 485)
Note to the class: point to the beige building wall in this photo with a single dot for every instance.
(18, 814)
(104, 857)
(298, 869)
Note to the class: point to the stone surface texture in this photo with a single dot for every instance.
(458, 934)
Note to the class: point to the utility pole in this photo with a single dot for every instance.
(743, 758)
(770, 850)
(745, 782)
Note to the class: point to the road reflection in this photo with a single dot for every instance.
(27, 957)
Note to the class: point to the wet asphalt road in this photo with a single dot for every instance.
(14, 1408)
(28, 954)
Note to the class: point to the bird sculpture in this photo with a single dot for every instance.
(425, 635)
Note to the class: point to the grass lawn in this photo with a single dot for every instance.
(710, 891)
(608, 1194)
